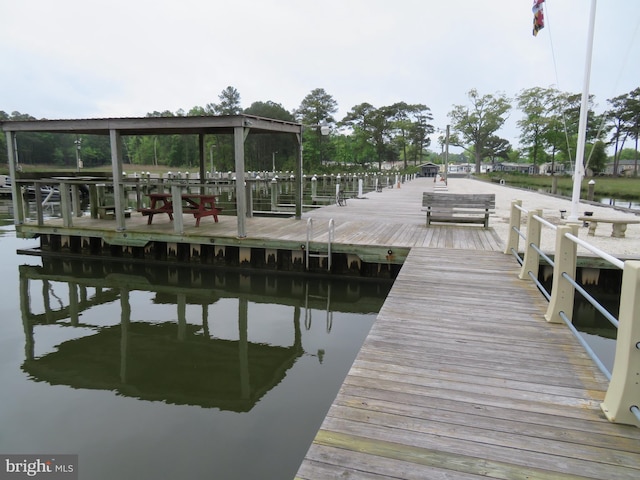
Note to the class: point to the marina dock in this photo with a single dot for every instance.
(461, 376)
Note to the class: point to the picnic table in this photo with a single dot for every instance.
(200, 205)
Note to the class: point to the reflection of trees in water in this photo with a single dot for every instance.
(178, 361)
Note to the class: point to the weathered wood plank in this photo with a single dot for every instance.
(461, 373)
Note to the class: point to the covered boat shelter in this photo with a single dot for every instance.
(240, 126)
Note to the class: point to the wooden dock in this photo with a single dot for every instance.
(368, 228)
(462, 378)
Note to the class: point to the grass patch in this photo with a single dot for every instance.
(620, 187)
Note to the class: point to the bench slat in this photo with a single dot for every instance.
(459, 207)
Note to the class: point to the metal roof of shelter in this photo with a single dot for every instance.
(154, 125)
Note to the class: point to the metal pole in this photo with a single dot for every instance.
(446, 158)
(582, 126)
(299, 170)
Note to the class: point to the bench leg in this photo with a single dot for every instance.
(592, 228)
(618, 230)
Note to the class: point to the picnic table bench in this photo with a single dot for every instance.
(196, 204)
(619, 225)
(109, 212)
(459, 207)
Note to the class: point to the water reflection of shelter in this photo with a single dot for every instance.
(174, 363)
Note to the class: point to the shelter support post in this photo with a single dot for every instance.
(241, 199)
(118, 187)
(16, 194)
(201, 161)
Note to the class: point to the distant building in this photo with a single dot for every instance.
(462, 168)
(554, 168)
(625, 167)
(508, 167)
(429, 169)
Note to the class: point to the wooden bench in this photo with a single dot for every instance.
(619, 225)
(459, 207)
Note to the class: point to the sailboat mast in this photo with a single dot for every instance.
(582, 125)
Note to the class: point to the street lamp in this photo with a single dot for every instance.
(78, 142)
(274, 161)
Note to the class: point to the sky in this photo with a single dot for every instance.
(89, 59)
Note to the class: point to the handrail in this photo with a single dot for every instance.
(331, 235)
(621, 403)
(70, 188)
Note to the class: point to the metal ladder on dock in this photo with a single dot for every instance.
(317, 254)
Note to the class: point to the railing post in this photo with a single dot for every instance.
(531, 262)
(248, 192)
(274, 194)
(176, 201)
(514, 223)
(75, 200)
(624, 388)
(65, 204)
(93, 199)
(562, 292)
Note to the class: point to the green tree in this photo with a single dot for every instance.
(420, 131)
(410, 128)
(473, 126)
(619, 119)
(270, 151)
(223, 144)
(631, 118)
(229, 103)
(317, 108)
(496, 147)
(598, 157)
(537, 104)
(360, 120)
(571, 119)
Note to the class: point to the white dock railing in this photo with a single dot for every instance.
(622, 400)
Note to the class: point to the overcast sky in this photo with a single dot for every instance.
(84, 59)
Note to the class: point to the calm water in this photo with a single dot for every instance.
(151, 373)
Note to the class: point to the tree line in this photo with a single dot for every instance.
(367, 136)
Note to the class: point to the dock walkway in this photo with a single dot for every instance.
(461, 377)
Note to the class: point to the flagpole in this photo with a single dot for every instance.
(582, 126)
